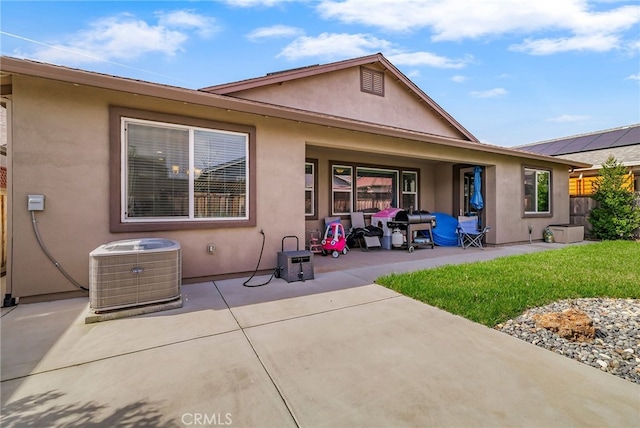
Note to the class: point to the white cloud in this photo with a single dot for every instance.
(203, 25)
(274, 31)
(459, 79)
(633, 47)
(615, 20)
(568, 118)
(491, 93)
(594, 43)
(386, 14)
(413, 74)
(254, 3)
(124, 37)
(332, 46)
(633, 77)
(428, 59)
(458, 20)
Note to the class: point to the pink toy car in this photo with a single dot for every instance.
(334, 241)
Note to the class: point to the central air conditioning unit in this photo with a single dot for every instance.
(124, 274)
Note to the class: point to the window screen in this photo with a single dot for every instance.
(176, 172)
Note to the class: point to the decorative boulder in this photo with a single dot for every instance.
(572, 324)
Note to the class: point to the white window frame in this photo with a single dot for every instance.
(311, 188)
(191, 174)
(537, 172)
(334, 190)
(407, 190)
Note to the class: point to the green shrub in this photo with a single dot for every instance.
(616, 215)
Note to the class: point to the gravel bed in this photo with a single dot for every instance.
(616, 347)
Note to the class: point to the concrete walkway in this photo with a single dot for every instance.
(336, 351)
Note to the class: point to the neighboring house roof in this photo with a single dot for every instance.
(617, 137)
(281, 77)
(594, 148)
(9, 65)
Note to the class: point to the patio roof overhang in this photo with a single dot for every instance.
(10, 66)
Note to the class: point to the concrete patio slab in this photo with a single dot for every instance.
(51, 335)
(280, 300)
(216, 378)
(398, 362)
(334, 351)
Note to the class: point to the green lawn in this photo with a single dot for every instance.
(498, 290)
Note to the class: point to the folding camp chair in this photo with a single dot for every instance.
(358, 228)
(468, 233)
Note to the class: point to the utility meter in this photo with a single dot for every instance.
(35, 202)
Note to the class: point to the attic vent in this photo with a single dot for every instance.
(372, 81)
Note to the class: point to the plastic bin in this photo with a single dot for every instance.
(380, 219)
(567, 233)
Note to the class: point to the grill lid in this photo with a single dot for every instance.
(414, 218)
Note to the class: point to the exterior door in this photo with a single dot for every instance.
(466, 190)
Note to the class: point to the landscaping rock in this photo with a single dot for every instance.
(617, 334)
(572, 324)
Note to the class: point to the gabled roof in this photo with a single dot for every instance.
(314, 70)
(77, 77)
(610, 138)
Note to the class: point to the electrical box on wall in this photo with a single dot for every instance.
(35, 202)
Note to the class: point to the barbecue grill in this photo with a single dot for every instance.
(411, 223)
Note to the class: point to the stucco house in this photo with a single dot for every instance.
(119, 158)
(594, 148)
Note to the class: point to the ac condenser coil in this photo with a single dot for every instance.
(134, 272)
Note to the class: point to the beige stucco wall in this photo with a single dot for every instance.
(338, 93)
(61, 149)
(512, 225)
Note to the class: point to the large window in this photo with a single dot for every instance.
(537, 191)
(181, 173)
(371, 189)
(376, 189)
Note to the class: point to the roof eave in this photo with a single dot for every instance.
(190, 96)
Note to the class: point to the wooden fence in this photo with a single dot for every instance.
(579, 208)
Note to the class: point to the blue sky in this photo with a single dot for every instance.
(511, 71)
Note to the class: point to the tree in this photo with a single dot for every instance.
(616, 215)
